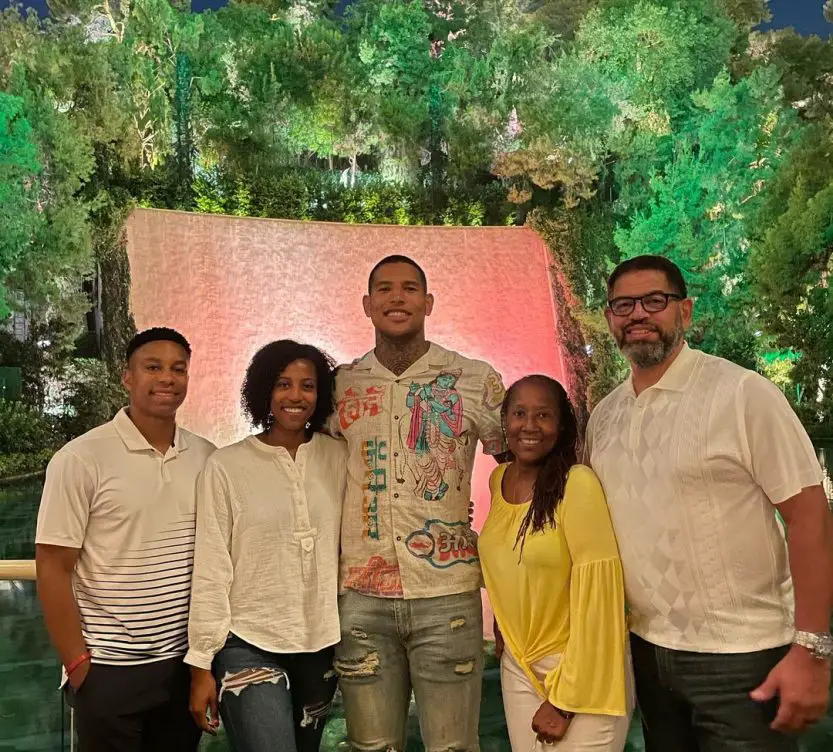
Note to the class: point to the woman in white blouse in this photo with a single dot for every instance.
(264, 615)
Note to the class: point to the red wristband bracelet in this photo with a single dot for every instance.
(83, 658)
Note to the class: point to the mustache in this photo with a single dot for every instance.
(641, 326)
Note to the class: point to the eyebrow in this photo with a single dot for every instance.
(148, 359)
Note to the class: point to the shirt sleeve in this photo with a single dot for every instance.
(778, 451)
(209, 619)
(587, 445)
(490, 424)
(68, 494)
(590, 677)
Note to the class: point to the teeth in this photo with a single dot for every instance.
(293, 409)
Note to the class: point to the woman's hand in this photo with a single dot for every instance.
(203, 703)
(498, 642)
(550, 723)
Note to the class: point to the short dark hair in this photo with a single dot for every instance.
(396, 259)
(648, 263)
(156, 334)
(264, 371)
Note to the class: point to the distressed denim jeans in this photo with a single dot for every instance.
(390, 647)
(699, 702)
(272, 702)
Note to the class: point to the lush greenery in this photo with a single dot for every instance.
(613, 127)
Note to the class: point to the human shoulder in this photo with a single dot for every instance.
(448, 357)
(716, 369)
(231, 453)
(737, 385)
(496, 477)
(606, 404)
(582, 491)
(582, 478)
(199, 444)
(90, 446)
(330, 445)
(356, 364)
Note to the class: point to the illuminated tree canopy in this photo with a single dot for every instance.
(614, 127)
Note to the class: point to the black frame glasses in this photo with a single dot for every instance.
(652, 302)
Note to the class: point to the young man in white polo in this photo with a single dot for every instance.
(115, 541)
(730, 622)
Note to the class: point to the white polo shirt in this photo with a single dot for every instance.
(691, 469)
(131, 511)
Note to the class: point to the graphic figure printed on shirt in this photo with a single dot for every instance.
(436, 423)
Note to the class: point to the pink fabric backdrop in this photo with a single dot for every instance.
(231, 285)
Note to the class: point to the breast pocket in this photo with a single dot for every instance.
(307, 542)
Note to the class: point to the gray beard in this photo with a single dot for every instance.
(650, 354)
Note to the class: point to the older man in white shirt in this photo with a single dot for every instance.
(729, 621)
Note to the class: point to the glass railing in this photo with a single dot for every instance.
(33, 717)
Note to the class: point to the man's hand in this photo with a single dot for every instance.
(498, 642)
(203, 703)
(802, 684)
(549, 724)
(79, 676)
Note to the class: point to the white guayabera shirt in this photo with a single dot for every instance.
(693, 469)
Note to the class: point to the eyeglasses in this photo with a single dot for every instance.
(653, 302)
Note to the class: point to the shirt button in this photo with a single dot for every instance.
(396, 454)
(399, 537)
(396, 417)
(396, 496)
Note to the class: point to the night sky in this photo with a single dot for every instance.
(805, 15)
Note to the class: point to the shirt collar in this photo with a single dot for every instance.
(135, 441)
(435, 359)
(676, 378)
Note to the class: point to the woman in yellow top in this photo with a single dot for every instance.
(554, 578)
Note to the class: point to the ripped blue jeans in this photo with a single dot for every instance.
(272, 702)
(391, 647)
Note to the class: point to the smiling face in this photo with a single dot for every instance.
(295, 396)
(531, 422)
(398, 301)
(156, 379)
(648, 339)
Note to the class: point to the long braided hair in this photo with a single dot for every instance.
(548, 490)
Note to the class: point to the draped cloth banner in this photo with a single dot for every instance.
(231, 285)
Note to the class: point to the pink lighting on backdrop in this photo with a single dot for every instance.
(231, 285)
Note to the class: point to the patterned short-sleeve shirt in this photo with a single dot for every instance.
(412, 440)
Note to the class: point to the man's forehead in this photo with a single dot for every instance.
(640, 282)
(397, 272)
(161, 349)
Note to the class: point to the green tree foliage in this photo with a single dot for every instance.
(792, 264)
(702, 203)
(19, 168)
(614, 127)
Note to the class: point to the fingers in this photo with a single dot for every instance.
(795, 715)
(199, 710)
(215, 713)
(767, 690)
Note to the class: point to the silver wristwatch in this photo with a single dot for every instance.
(820, 644)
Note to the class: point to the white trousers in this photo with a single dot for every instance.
(599, 733)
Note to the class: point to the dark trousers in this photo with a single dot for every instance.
(135, 709)
(699, 702)
(272, 702)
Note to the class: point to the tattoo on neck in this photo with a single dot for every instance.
(399, 357)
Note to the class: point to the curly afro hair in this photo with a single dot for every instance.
(264, 371)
